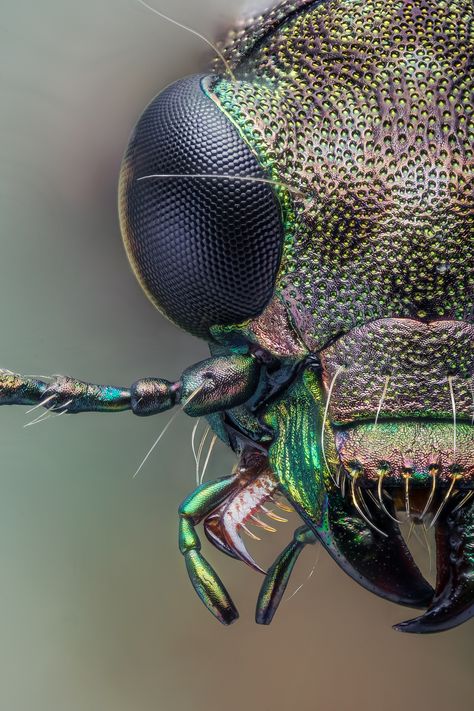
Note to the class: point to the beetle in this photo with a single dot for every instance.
(307, 208)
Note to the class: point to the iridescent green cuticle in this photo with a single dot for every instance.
(295, 454)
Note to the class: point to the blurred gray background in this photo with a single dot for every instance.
(96, 613)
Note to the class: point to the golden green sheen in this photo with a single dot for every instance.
(366, 107)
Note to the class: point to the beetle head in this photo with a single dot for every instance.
(360, 258)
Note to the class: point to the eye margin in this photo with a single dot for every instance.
(206, 251)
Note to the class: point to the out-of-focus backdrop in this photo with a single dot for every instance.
(96, 613)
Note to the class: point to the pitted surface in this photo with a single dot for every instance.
(367, 107)
(402, 366)
(253, 27)
(408, 447)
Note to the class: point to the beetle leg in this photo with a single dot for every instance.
(204, 579)
(278, 575)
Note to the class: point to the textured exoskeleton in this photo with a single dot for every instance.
(308, 209)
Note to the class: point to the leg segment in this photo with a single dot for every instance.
(278, 575)
(203, 577)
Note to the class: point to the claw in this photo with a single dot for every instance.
(453, 602)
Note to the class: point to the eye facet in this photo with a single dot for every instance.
(205, 250)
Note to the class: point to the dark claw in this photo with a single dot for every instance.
(453, 602)
(383, 565)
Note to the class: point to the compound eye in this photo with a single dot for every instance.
(205, 250)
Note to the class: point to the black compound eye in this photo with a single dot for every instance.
(206, 251)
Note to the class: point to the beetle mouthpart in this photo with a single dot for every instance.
(453, 602)
(381, 564)
(224, 527)
(412, 448)
(401, 368)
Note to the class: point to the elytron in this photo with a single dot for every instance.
(308, 209)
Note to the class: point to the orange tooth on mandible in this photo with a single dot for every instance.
(273, 515)
(261, 524)
(283, 506)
